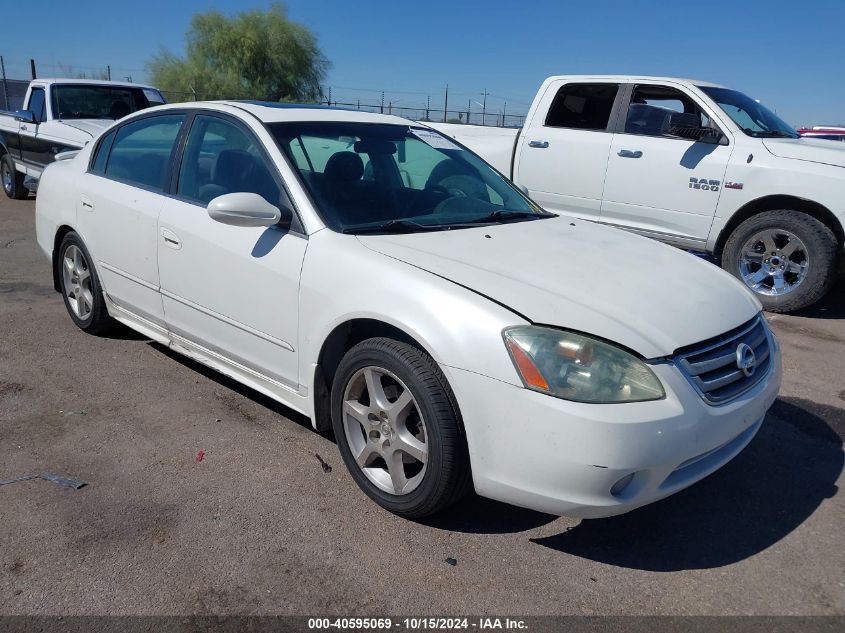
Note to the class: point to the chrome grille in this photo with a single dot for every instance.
(711, 366)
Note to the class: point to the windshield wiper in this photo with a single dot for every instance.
(396, 226)
(772, 134)
(504, 214)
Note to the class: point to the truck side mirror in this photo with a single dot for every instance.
(687, 125)
(25, 116)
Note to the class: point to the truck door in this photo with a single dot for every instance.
(658, 182)
(33, 149)
(563, 150)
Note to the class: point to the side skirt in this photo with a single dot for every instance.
(244, 375)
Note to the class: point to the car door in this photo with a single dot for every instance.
(231, 290)
(562, 158)
(117, 211)
(658, 182)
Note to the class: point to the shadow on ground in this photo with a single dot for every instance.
(831, 306)
(765, 493)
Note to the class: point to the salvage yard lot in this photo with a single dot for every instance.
(270, 521)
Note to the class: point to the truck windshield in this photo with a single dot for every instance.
(101, 102)
(754, 118)
(378, 178)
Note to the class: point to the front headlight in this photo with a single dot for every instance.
(580, 368)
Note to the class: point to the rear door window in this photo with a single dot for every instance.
(141, 151)
(582, 106)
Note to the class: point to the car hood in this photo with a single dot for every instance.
(646, 296)
(86, 129)
(810, 149)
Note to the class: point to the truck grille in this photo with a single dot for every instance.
(712, 367)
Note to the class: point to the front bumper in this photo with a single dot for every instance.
(551, 455)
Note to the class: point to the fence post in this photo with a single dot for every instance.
(446, 104)
(504, 109)
(5, 93)
(108, 70)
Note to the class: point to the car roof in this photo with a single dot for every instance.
(278, 112)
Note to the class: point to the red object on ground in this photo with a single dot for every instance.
(200, 455)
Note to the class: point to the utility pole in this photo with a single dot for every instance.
(108, 71)
(329, 102)
(446, 104)
(427, 108)
(469, 108)
(32, 67)
(5, 94)
(504, 109)
(484, 107)
(382, 101)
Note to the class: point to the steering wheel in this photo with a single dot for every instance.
(430, 197)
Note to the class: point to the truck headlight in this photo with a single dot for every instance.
(578, 367)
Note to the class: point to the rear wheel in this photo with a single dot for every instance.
(12, 179)
(787, 258)
(398, 428)
(80, 286)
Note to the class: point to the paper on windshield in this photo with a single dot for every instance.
(433, 139)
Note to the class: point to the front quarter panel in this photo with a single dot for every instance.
(343, 280)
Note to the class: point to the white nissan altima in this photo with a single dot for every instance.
(386, 282)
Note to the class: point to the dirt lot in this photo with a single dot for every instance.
(259, 526)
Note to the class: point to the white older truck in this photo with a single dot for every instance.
(687, 162)
(61, 115)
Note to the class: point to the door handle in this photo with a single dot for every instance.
(629, 153)
(170, 238)
(86, 203)
(539, 144)
(24, 128)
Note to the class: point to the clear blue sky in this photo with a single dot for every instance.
(790, 55)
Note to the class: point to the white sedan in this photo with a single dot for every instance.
(372, 274)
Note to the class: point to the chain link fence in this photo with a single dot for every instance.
(12, 92)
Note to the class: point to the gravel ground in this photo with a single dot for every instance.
(259, 526)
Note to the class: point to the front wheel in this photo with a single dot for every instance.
(12, 179)
(398, 428)
(787, 258)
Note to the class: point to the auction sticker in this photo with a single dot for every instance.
(435, 140)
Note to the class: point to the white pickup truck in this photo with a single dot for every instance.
(61, 115)
(690, 163)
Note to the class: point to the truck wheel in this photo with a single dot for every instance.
(397, 427)
(80, 286)
(12, 179)
(788, 258)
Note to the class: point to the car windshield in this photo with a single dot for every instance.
(382, 178)
(101, 102)
(754, 118)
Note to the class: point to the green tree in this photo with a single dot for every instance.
(253, 55)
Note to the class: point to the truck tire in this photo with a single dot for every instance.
(787, 258)
(12, 179)
(398, 428)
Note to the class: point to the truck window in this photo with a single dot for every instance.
(36, 104)
(651, 106)
(582, 106)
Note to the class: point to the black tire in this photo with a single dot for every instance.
(97, 320)
(822, 255)
(12, 179)
(447, 475)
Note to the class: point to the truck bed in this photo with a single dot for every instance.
(495, 144)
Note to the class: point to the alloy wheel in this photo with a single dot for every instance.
(76, 274)
(7, 178)
(773, 262)
(385, 430)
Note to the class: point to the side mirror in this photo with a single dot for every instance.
(25, 116)
(246, 209)
(687, 125)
